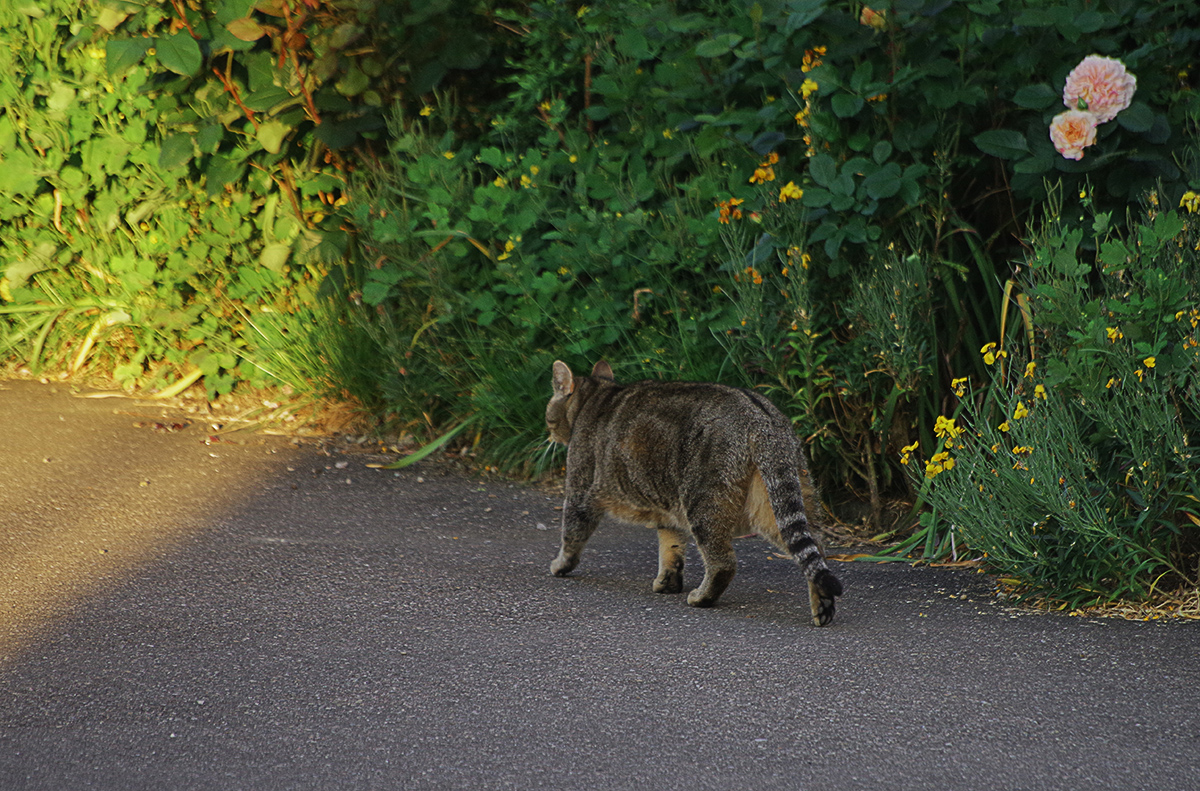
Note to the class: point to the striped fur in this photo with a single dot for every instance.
(691, 459)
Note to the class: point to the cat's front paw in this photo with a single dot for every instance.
(562, 565)
(699, 598)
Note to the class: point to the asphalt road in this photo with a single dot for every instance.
(251, 614)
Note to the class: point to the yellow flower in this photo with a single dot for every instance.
(534, 170)
(808, 88)
(1003, 427)
(944, 427)
(873, 19)
(448, 155)
(906, 451)
(1112, 380)
(572, 159)
(941, 462)
(812, 59)
(1149, 362)
(1139, 373)
(762, 174)
(1039, 392)
(526, 182)
(426, 111)
(667, 134)
(582, 10)
(500, 181)
(1190, 201)
(1114, 334)
(990, 354)
(1020, 411)
(1029, 367)
(960, 386)
(790, 191)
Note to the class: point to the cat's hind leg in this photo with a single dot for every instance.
(672, 547)
(714, 528)
(578, 523)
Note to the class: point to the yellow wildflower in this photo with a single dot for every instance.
(1114, 334)
(808, 88)
(448, 154)
(872, 18)
(1149, 362)
(426, 111)
(790, 191)
(762, 174)
(1029, 367)
(1020, 411)
(906, 452)
(990, 353)
(1039, 392)
(1003, 427)
(1190, 201)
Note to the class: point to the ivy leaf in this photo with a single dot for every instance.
(1002, 143)
(180, 53)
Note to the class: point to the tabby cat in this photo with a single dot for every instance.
(688, 458)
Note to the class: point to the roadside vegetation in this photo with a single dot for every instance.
(957, 243)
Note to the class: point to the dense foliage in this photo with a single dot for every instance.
(421, 205)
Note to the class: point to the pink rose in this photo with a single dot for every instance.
(1101, 86)
(1072, 132)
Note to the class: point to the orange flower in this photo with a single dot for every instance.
(1101, 86)
(1072, 132)
(872, 18)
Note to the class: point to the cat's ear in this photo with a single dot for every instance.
(603, 370)
(564, 382)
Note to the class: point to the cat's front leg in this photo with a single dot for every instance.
(672, 547)
(578, 522)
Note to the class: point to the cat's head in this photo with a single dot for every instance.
(565, 403)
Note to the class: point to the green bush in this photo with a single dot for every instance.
(580, 216)
(1074, 466)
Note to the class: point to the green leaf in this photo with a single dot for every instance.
(1036, 97)
(180, 53)
(823, 169)
(883, 183)
(176, 151)
(882, 150)
(270, 135)
(246, 29)
(221, 172)
(1002, 143)
(274, 256)
(1136, 118)
(846, 105)
(122, 53)
(718, 45)
(18, 175)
